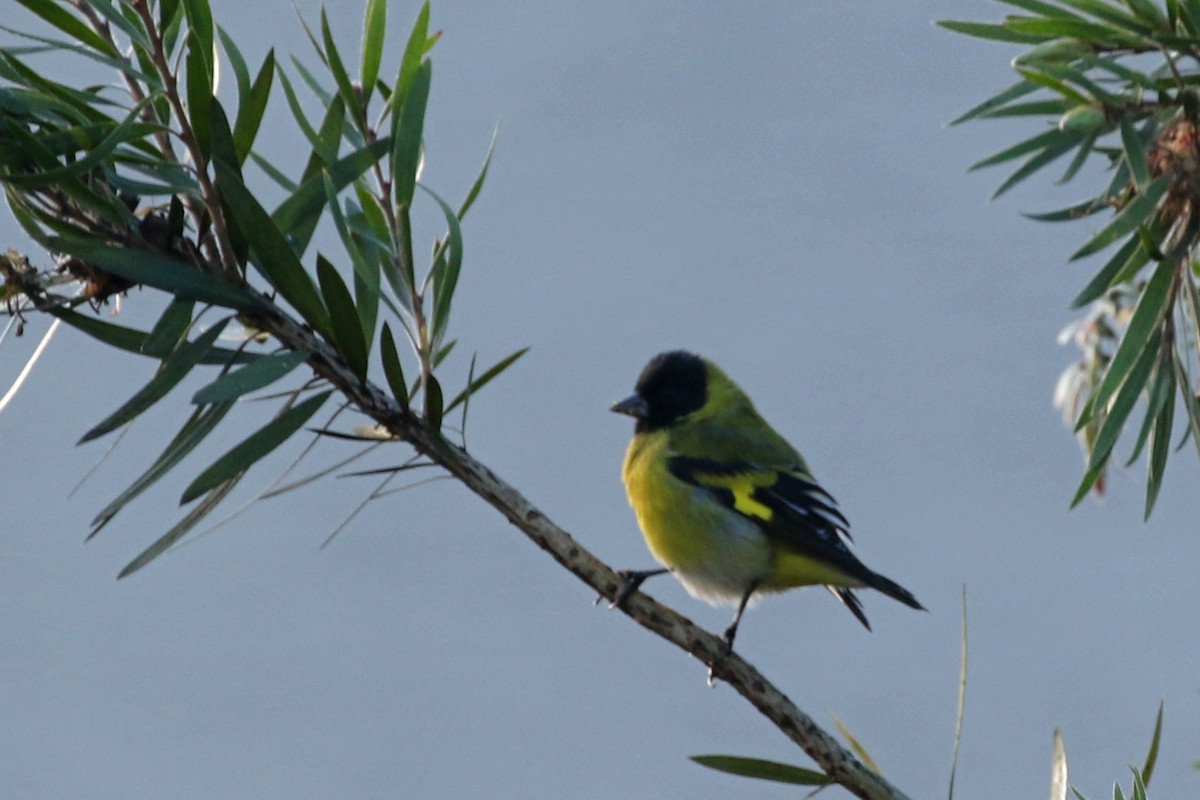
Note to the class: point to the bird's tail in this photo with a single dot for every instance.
(851, 601)
(894, 591)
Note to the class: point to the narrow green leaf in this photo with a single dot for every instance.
(1127, 220)
(163, 273)
(321, 149)
(1089, 480)
(376, 228)
(329, 138)
(1160, 448)
(1043, 9)
(105, 206)
(1190, 403)
(367, 296)
(343, 315)
(312, 38)
(241, 72)
(131, 340)
(1086, 148)
(997, 101)
(1109, 12)
(477, 186)
(174, 369)
(483, 380)
(1152, 756)
(763, 770)
(1042, 77)
(1069, 74)
(1135, 154)
(274, 173)
(252, 377)
(374, 30)
(170, 329)
(1147, 11)
(1190, 13)
(252, 106)
(200, 88)
(366, 270)
(443, 352)
(1192, 295)
(301, 210)
(1113, 67)
(857, 747)
(392, 370)
(316, 87)
(1162, 383)
(199, 17)
(1139, 334)
(1069, 214)
(991, 32)
(275, 259)
(406, 151)
(1118, 187)
(1035, 108)
(1133, 252)
(199, 425)
(1050, 138)
(1057, 51)
(466, 406)
(1139, 787)
(130, 130)
(128, 339)
(444, 276)
(1070, 28)
(1122, 405)
(181, 528)
(434, 408)
(418, 45)
(69, 24)
(341, 77)
(259, 444)
(1035, 163)
(223, 146)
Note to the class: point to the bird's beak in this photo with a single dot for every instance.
(633, 406)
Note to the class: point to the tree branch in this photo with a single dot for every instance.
(668, 624)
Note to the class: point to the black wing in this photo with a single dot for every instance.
(788, 506)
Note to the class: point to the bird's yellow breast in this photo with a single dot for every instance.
(716, 553)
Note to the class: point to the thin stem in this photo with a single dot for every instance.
(830, 756)
(222, 252)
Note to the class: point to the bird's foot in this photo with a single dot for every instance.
(724, 649)
(631, 580)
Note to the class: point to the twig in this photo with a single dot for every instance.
(742, 677)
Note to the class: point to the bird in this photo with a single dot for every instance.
(725, 503)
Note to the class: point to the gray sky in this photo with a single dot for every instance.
(771, 185)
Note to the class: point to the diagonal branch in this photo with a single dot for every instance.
(668, 624)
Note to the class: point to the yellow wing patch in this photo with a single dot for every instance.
(742, 487)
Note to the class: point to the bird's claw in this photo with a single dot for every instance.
(725, 648)
(631, 581)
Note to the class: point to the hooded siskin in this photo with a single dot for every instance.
(724, 502)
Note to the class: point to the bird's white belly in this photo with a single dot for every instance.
(719, 568)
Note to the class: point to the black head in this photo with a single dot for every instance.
(671, 386)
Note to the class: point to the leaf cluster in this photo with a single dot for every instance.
(1060, 784)
(147, 185)
(1115, 84)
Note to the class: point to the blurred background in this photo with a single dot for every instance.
(771, 185)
